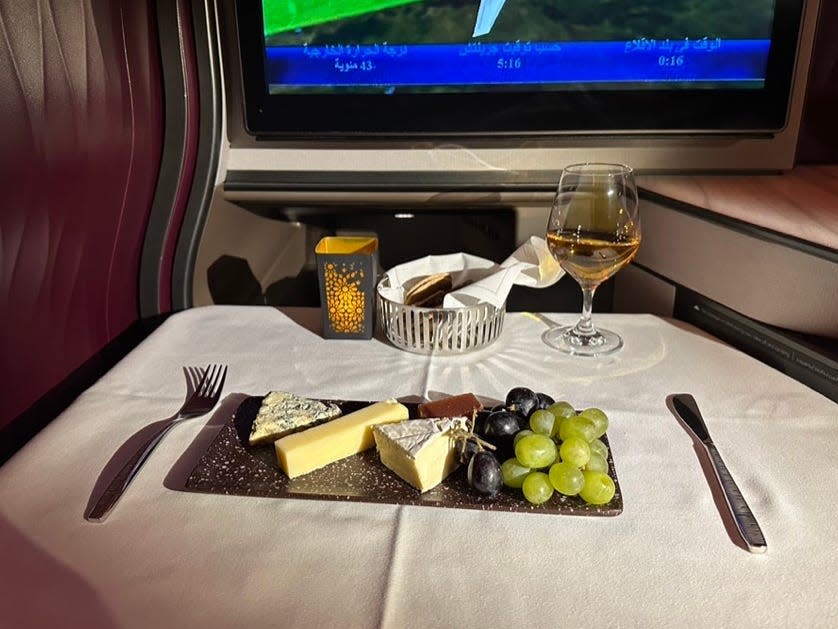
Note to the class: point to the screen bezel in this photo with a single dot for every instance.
(582, 111)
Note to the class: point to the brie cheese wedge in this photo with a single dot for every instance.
(422, 452)
(282, 413)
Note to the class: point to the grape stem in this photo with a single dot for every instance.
(462, 436)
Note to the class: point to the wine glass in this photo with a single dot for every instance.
(593, 231)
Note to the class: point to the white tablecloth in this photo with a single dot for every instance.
(169, 558)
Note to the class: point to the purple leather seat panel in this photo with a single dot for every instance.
(80, 141)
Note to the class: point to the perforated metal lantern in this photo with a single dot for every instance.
(346, 269)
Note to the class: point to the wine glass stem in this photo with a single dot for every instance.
(585, 327)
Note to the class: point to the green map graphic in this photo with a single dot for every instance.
(321, 22)
(290, 15)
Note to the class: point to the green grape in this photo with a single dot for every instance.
(575, 450)
(596, 463)
(513, 473)
(543, 422)
(579, 426)
(566, 478)
(598, 489)
(562, 410)
(519, 435)
(536, 451)
(600, 448)
(599, 418)
(537, 488)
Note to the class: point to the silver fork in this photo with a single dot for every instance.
(203, 399)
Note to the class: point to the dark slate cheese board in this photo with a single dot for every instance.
(231, 467)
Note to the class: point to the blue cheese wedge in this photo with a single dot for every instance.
(282, 413)
(422, 452)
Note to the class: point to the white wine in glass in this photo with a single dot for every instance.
(593, 231)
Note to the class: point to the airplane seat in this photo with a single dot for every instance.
(95, 189)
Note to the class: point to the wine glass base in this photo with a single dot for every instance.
(566, 340)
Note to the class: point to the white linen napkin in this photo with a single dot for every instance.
(479, 279)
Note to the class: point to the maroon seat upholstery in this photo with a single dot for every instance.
(818, 131)
(81, 131)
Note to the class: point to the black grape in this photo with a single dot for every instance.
(522, 401)
(468, 451)
(544, 401)
(499, 429)
(484, 475)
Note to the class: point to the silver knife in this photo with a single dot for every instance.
(684, 405)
